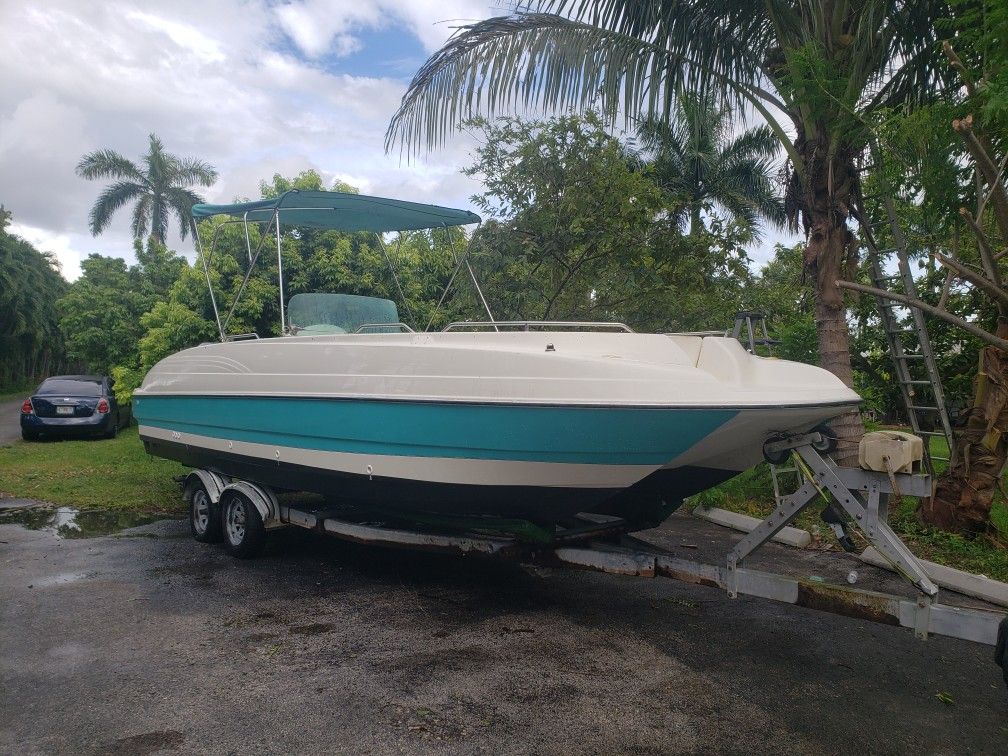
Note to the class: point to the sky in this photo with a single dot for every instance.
(252, 87)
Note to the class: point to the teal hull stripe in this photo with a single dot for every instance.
(585, 435)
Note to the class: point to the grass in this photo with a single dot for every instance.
(752, 493)
(115, 474)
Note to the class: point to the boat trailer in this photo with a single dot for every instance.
(601, 543)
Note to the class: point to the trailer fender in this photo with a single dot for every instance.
(264, 500)
(214, 484)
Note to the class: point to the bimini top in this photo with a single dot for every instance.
(342, 211)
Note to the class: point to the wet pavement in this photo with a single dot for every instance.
(145, 641)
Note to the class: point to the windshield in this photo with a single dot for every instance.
(70, 387)
(338, 313)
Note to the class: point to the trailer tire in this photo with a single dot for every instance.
(776, 457)
(244, 532)
(204, 515)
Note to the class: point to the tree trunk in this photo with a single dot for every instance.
(963, 496)
(696, 221)
(827, 195)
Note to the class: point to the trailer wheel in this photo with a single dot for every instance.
(775, 457)
(204, 518)
(244, 533)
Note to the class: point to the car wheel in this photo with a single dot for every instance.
(28, 435)
(114, 430)
(204, 516)
(244, 533)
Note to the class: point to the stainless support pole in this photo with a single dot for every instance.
(248, 241)
(283, 324)
(444, 294)
(472, 275)
(480, 292)
(248, 274)
(206, 272)
(395, 277)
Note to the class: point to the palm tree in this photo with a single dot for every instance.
(696, 161)
(159, 190)
(819, 72)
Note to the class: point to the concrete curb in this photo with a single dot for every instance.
(959, 581)
(789, 536)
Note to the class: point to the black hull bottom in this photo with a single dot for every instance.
(646, 503)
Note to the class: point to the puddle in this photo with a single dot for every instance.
(68, 522)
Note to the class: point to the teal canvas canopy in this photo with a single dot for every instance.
(341, 211)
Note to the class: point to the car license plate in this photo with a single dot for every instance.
(64, 410)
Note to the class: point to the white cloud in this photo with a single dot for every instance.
(319, 27)
(219, 81)
(46, 241)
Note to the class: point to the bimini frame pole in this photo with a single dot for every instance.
(206, 272)
(472, 275)
(395, 276)
(464, 260)
(283, 324)
(248, 274)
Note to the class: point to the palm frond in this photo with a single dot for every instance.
(181, 200)
(544, 61)
(110, 200)
(160, 165)
(758, 142)
(911, 69)
(141, 214)
(158, 217)
(108, 164)
(194, 171)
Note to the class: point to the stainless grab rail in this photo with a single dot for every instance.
(696, 333)
(370, 326)
(530, 324)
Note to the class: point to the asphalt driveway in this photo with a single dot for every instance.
(149, 642)
(10, 421)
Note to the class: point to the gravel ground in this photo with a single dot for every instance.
(149, 642)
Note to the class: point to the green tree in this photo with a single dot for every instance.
(701, 165)
(777, 292)
(31, 343)
(158, 190)
(827, 67)
(100, 314)
(571, 219)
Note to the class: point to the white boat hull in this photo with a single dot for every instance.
(536, 424)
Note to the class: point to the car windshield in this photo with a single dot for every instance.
(338, 313)
(70, 387)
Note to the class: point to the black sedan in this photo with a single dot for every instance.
(73, 405)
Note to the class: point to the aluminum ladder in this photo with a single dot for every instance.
(751, 331)
(910, 347)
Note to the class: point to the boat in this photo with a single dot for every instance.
(533, 420)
